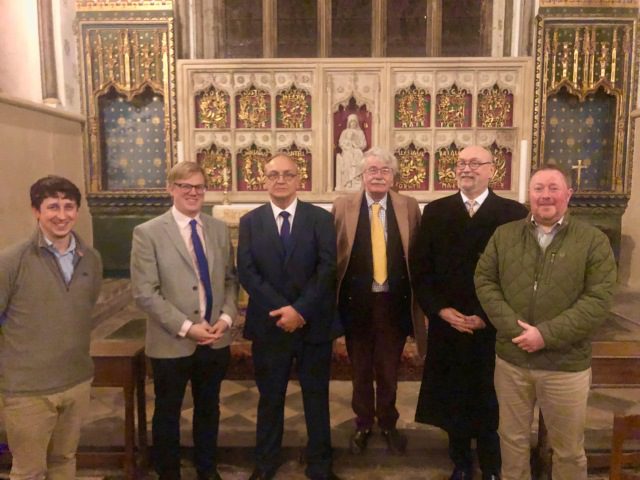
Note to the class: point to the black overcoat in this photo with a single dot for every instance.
(457, 391)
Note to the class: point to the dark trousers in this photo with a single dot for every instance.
(206, 369)
(487, 447)
(272, 362)
(375, 349)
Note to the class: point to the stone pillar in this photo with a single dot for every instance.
(48, 71)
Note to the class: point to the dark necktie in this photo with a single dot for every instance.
(203, 267)
(285, 230)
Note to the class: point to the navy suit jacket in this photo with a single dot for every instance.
(304, 277)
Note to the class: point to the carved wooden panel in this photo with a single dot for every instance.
(327, 113)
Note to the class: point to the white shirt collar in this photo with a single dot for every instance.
(291, 209)
(557, 224)
(479, 199)
(183, 220)
(382, 201)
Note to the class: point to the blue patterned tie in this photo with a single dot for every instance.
(285, 230)
(203, 267)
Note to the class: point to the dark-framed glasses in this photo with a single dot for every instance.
(286, 176)
(378, 171)
(473, 164)
(187, 187)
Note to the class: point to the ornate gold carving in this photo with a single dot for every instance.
(217, 165)
(253, 108)
(110, 52)
(605, 62)
(593, 51)
(300, 157)
(253, 160)
(293, 107)
(590, 3)
(500, 161)
(214, 108)
(127, 47)
(447, 158)
(614, 56)
(494, 107)
(412, 106)
(576, 55)
(123, 5)
(451, 106)
(413, 168)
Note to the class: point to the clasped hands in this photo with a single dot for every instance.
(204, 333)
(462, 323)
(288, 319)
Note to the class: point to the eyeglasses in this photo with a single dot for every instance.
(378, 171)
(187, 187)
(286, 176)
(473, 164)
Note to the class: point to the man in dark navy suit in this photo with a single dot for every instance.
(287, 265)
(457, 391)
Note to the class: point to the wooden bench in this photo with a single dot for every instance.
(121, 363)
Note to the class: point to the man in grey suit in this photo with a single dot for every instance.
(183, 277)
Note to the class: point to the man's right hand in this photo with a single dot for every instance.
(201, 333)
(456, 319)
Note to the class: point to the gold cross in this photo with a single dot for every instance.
(579, 168)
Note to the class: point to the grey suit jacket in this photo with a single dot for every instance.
(165, 283)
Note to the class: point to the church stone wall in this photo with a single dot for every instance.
(36, 141)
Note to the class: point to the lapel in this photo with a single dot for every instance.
(270, 228)
(401, 212)
(173, 233)
(211, 242)
(301, 224)
(351, 216)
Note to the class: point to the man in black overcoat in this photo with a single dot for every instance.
(457, 392)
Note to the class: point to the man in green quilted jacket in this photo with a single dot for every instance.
(545, 283)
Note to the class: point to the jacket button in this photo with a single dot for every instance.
(196, 312)
(195, 288)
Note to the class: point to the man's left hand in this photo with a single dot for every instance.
(290, 320)
(218, 329)
(530, 340)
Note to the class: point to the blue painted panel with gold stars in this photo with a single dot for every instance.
(582, 131)
(133, 146)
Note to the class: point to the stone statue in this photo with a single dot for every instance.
(352, 142)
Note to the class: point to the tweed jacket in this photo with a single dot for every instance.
(565, 291)
(346, 210)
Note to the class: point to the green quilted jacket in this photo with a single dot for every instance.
(564, 291)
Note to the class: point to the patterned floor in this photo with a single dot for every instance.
(426, 457)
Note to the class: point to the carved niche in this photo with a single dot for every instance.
(128, 81)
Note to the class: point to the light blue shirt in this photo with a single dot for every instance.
(546, 236)
(65, 259)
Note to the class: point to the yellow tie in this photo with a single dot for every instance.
(378, 246)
